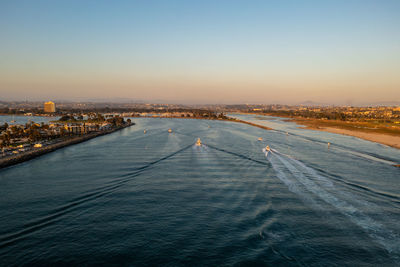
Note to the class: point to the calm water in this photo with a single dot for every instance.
(25, 119)
(155, 199)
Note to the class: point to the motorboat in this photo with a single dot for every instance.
(260, 139)
(267, 151)
(169, 130)
(198, 142)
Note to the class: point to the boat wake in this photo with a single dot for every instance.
(344, 149)
(56, 214)
(202, 148)
(313, 188)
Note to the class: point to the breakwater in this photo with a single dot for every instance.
(252, 124)
(28, 155)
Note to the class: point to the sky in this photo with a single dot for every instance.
(198, 52)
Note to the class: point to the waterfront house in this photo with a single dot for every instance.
(74, 128)
(91, 127)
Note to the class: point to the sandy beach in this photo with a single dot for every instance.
(390, 140)
(375, 135)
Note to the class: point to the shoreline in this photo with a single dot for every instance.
(199, 118)
(384, 139)
(251, 124)
(376, 135)
(373, 135)
(28, 155)
(381, 138)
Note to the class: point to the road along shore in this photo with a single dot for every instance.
(28, 155)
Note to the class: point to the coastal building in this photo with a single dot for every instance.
(79, 128)
(74, 128)
(49, 107)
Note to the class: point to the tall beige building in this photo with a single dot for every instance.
(49, 107)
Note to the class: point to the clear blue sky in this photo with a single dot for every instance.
(201, 51)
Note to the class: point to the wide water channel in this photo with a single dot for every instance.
(131, 198)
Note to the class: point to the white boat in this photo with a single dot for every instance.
(169, 130)
(198, 142)
(267, 151)
(260, 139)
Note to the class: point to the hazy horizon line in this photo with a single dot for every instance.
(122, 100)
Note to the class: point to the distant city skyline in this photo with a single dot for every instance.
(333, 52)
